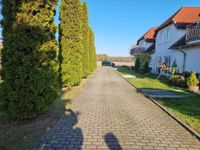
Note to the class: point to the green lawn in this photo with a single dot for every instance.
(150, 81)
(23, 135)
(186, 109)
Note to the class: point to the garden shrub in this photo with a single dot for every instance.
(143, 57)
(178, 80)
(146, 68)
(186, 74)
(137, 64)
(192, 79)
(29, 57)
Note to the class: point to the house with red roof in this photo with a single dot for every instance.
(146, 43)
(177, 41)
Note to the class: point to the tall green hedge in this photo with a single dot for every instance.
(91, 51)
(85, 41)
(29, 57)
(71, 42)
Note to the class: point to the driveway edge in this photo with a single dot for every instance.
(192, 132)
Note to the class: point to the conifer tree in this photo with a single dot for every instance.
(29, 57)
(71, 42)
(94, 59)
(85, 41)
(92, 52)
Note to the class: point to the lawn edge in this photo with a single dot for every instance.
(184, 125)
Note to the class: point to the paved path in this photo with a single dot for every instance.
(110, 114)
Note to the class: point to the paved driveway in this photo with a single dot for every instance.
(110, 114)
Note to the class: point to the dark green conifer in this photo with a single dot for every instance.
(85, 41)
(29, 57)
(92, 52)
(71, 42)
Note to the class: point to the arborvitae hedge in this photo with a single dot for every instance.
(92, 52)
(71, 42)
(94, 64)
(29, 57)
(85, 41)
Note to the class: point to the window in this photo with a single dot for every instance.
(167, 60)
(159, 61)
(168, 35)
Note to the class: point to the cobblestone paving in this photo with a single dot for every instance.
(110, 114)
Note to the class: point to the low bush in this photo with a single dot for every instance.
(192, 80)
(137, 64)
(186, 74)
(178, 80)
(146, 68)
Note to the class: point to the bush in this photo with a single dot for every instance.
(29, 57)
(192, 79)
(186, 74)
(178, 80)
(146, 68)
(71, 42)
(137, 64)
(143, 57)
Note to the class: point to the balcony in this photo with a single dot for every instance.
(136, 50)
(193, 34)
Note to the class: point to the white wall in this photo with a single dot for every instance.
(162, 47)
(193, 58)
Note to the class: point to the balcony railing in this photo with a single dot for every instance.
(193, 33)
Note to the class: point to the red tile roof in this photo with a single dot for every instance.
(149, 35)
(183, 17)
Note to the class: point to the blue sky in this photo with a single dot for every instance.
(119, 23)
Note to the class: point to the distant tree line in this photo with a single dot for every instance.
(34, 64)
(103, 57)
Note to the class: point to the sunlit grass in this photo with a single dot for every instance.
(186, 109)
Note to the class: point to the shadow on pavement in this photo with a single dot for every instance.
(112, 142)
(64, 135)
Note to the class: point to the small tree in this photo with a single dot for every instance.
(174, 68)
(137, 64)
(146, 68)
(144, 57)
(192, 79)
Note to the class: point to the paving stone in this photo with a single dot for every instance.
(110, 114)
(156, 93)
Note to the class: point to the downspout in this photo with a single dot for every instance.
(184, 59)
